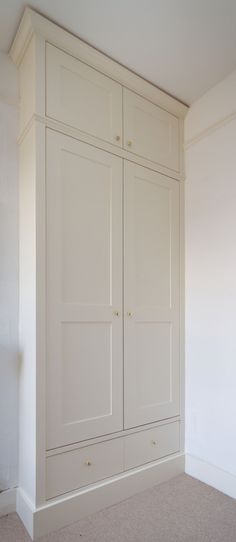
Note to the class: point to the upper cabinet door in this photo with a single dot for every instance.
(150, 132)
(82, 97)
(84, 291)
(151, 296)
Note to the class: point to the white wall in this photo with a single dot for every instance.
(8, 274)
(211, 284)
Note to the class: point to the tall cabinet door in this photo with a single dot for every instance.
(151, 299)
(84, 291)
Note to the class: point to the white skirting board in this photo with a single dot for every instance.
(69, 508)
(211, 475)
(7, 502)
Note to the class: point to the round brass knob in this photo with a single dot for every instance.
(116, 313)
(88, 463)
(117, 138)
(129, 143)
(154, 442)
(129, 314)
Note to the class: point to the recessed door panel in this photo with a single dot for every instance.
(86, 365)
(151, 286)
(82, 97)
(84, 291)
(153, 363)
(85, 230)
(150, 131)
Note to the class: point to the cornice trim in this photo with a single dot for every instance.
(34, 23)
(22, 38)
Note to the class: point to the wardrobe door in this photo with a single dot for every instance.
(84, 291)
(151, 275)
(150, 131)
(82, 97)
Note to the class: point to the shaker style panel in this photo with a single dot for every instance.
(150, 132)
(151, 444)
(72, 470)
(84, 291)
(151, 296)
(82, 97)
(100, 314)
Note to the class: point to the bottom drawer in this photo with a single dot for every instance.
(151, 444)
(70, 470)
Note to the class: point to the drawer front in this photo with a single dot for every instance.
(82, 97)
(150, 132)
(72, 470)
(151, 445)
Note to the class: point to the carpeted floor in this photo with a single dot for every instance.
(180, 510)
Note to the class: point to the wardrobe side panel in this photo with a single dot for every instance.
(27, 316)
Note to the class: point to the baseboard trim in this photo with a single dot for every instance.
(69, 508)
(211, 475)
(7, 502)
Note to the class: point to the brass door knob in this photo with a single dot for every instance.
(116, 313)
(129, 314)
(129, 143)
(88, 463)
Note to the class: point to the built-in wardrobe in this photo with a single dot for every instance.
(101, 279)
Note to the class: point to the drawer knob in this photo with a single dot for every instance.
(117, 138)
(154, 442)
(129, 314)
(88, 463)
(116, 313)
(129, 143)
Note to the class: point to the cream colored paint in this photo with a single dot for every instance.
(84, 334)
(151, 296)
(82, 97)
(35, 286)
(210, 280)
(150, 132)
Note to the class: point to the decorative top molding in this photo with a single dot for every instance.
(23, 36)
(34, 23)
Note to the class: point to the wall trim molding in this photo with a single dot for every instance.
(8, 501)
(210, 129)
(210, 474)
(62, 511)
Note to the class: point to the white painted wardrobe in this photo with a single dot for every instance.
(101, 316)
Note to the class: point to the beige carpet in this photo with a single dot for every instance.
(181, 510)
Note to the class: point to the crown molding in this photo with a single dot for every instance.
(23, 36)
(34, 23)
